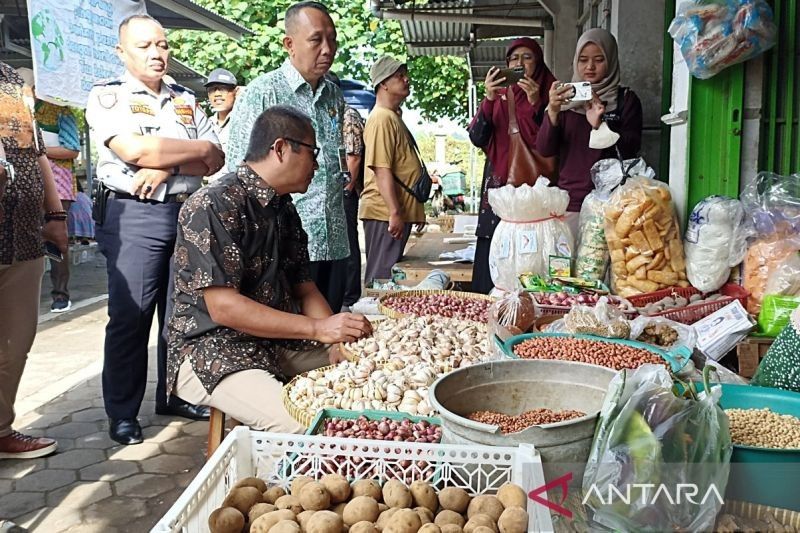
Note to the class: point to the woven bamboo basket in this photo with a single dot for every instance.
(757, 512)
(301, 415)
(391, 313)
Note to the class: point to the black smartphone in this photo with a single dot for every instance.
(511, 75)
(52, 251)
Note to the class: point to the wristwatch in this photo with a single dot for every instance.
(8, 167)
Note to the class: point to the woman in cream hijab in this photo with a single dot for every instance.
(582, 133)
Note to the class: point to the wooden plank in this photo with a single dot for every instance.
(426, 248)
(216, 430)
(750, 352)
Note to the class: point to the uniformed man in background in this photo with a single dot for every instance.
(155, 145)
(222, 89)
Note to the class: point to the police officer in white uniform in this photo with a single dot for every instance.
(155, 145)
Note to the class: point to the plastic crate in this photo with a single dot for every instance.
(245, 452)
(693, 312)
(322, 414)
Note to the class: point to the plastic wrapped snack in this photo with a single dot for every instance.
(715, 35)
(663, 333)
(716, 241)
(514, 312)
(643, 237)
(591, 259)
(529, 232)
(785, 281)
(603, 320)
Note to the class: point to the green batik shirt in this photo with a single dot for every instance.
(321, 208)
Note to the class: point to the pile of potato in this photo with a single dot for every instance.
(332, 505)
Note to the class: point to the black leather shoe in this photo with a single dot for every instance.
(177, 407)
(125, 431)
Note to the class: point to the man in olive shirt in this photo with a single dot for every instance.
(387, 209)
(247, 316)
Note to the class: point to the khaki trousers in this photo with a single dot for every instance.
(20, 285)
(253, 397)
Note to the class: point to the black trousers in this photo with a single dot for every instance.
(137, 239)
(352, 291)
(481, 277)
(330, 278)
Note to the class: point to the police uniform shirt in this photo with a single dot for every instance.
(126, 106)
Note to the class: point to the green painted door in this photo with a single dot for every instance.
(715, 135)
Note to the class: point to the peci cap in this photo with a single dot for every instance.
(222, 77)
(383, 68)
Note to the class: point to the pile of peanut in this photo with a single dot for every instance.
(534, 417)
(611, 355)
(763, 428)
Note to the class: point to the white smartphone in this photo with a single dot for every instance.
(581, 91)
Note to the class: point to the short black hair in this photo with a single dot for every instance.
(290, 20)
(277, 122)
(138, 16)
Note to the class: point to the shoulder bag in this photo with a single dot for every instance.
(525, 164)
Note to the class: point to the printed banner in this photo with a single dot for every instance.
(73, 45)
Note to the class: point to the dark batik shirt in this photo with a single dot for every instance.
(236, 232)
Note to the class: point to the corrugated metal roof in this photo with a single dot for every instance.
(438, 38)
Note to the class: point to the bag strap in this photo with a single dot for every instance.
(419, 157)
(513, 127)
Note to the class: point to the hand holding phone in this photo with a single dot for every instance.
(581, 91)
(52, 252)
(511, 75)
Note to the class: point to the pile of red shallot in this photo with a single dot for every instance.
(384, 429)
(562, 299)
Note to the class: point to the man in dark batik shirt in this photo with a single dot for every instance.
(247, 316)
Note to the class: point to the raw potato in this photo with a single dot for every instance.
(291, 503)
(368, 487)
(424, 496)
(396, 494)
(383, 518)
(382, 507)
(483, 529)
(480, 520)
(259, 509)
(243, 498)
(360, 509)
(425, 515)
(403, 521)
(285, 526)
(303, 519)
(226, 520)
(430, 528)
(339, 508)
(454, 499)
(325, 522)
(297, 484)
(513, 520)
(511, 495)
(363, 527)
(451, 528)
(252, 482)
(448, 517)
(337, 486)
(273, 493)
(264, 522)
(485, 504)
(314, 497)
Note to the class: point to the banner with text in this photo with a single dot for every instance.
(73, 45)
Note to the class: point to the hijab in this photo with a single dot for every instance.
(497, 149)
(606, 89)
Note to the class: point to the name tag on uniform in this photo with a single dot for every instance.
(185, 113)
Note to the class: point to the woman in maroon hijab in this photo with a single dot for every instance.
(489, 131)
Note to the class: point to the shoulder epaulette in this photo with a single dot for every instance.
(108, 81)
(178, 88)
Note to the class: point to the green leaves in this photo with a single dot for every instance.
(440, 83)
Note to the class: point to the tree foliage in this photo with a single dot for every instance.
(439, 84)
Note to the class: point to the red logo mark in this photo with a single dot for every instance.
(563, 482)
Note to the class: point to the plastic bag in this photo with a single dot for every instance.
(514, 312)
(763, 260)
(663, 333)
(715, 35)
(648, 436)
(780, 367)
(603, 319)
(716, 241)
(643, 237)
(773, 203)
(775, 313)
(785, 281)
(591, 260)
(529, 232)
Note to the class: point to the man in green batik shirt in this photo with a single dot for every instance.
(300, 82)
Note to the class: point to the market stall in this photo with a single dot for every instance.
(425, 253)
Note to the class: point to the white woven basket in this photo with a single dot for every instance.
(277, 458)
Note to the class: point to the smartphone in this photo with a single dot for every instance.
(52, 251)
(511, 75)
(581, 91)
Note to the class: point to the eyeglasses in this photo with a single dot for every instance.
(524, 57)
(314, 149)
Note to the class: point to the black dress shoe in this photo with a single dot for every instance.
(177, 407)
(125, 430)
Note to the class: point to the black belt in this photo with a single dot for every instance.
(170, 198)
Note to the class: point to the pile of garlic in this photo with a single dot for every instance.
(397, 366)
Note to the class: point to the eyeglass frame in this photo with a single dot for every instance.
(315, 149)
(521, 57)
